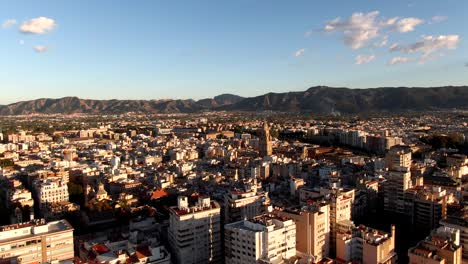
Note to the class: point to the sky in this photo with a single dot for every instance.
(151, 49)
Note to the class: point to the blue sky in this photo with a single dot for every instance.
(197, 49)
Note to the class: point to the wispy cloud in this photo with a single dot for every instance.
(360, 27)
(398, 60)
(438, 19)
(407, 24)
(9, 23)
(39, 25)
(299, 52)
(431, 44)
(430, 47)
(40, 48)
(363, 59)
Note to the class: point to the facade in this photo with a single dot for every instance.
(195, 231)
(240, 205)
(313, 240)
(264, 239)
(394, 190)
(427, 206)
(365, 245)
(442, 246)
(397, 157)
(265, 147)
(36, 242)
(51, 190)
(341, 206)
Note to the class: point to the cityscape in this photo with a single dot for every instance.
(169, 152)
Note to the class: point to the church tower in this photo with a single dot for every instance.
(265, 147)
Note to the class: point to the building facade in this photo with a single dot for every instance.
(195, 231)
(36, 242)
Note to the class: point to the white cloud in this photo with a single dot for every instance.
(360, 28)
(394, 47)
(438, 19)
(21, 42)
(8, 23)
(407, 24)
(40, 48)
(398, 60)
(39, 25)
(431, 44)
(382, 43)
(357, 29)
(299, 53)
(363, 59)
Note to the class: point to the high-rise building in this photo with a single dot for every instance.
(312, 224)
(36, 242)
(195, 231)
(398, 157)
(341, 206)
(427, 206)
(265, 147)
(365, 245)
(240, 205)
(264, 239)
(394, 190)
(441, 247)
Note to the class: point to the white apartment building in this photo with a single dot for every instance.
(240, 205)
(195, 231)
(36, 242)
(51, 190)
(264, 239)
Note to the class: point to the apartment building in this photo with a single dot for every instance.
(312, 222)
(51, 190)
(441, 247)
(264, 239)
(36, 242)
(365, 245)
(240, 205)
(195, 231)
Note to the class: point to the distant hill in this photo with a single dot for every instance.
(323, 99)
(318, 99)
(220, 100)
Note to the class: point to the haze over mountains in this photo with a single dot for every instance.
(319, 99)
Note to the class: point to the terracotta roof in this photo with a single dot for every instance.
(158, 194)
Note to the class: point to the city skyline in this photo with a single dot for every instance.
(154, 50)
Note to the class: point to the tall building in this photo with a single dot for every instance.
(397, 157)
(341, 206)
(36, 242)
(365, 245)
(195, 231)
(441, 247)
(240, 205)
(312, 223)
(427, 206)
(265, 147)
(394, 190)
(264, 239)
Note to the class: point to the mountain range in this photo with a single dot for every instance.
(319, 99)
